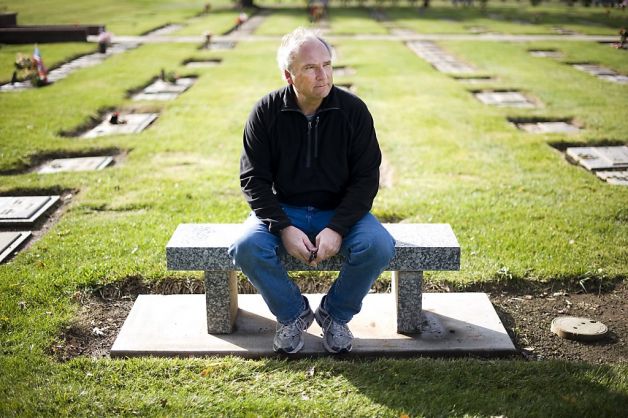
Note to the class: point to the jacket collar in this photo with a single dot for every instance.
(290, 102)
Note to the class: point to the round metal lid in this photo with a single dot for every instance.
(577, 328)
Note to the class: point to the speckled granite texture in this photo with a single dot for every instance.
(407, 289)
(419, 247)
(221, 293)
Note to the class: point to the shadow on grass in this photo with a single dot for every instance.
(488, 388)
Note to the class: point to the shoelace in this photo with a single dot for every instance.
(336, 328)
(293, 328)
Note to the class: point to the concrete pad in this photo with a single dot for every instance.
(175, 325)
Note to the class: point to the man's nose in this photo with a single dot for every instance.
(320, 73)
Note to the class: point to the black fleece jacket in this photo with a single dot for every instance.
(331, 162)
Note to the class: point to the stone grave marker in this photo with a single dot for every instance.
(599, 158)
(164, 90)
(602, 73)
(594, 69)
(10, 241)
(545, 53)
(24, 209)
(614, 78)
(202, 63)
(438, 58)
(474, 80)
(75, 164)
(547, 127)
(504, 98)
(221, 45)
(135, 123)
(618, 177)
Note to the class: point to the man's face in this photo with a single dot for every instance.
(311, 72)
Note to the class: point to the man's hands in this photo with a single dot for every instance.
(298, 245)
(328, 244)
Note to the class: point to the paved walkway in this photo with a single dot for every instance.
(396, 38)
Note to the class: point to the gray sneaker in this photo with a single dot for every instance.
(289, 337)
(337, 338)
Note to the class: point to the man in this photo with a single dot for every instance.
(310, 171)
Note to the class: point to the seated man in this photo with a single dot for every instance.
(310, 171)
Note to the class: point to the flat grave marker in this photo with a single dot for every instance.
(504, 98)
(220, 45)
(545, 53)
(202, 63)
(618, 177)
(10, 241)
(594, 69)
(614, 78)
(135, 123)
(438, 58)
(164, 90)
(547, 127)
(599, 158)
(24, 209)
(475, 80)
(602, 72)
(75, 164)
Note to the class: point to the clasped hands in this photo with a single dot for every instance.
(298, 245)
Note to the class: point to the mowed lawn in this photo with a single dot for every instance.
(520, 211)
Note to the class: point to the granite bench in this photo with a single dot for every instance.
(419, 247)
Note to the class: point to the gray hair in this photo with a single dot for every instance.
(292, 42)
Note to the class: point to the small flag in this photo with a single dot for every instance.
(42, 72)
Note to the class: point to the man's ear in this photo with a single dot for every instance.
(288, 76)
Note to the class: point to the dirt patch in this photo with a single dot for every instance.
(528, 317)
(526, 312)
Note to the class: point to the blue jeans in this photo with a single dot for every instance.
(367, 248)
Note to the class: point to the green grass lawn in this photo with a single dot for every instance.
(520, 211)
(510, 17)
(122, 17)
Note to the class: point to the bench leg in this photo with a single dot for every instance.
(221, 296)
(407, 288)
